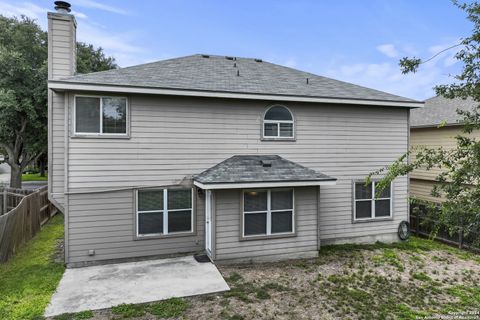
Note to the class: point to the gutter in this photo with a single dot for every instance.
(435, 125)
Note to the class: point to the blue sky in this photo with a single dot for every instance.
(351, 40)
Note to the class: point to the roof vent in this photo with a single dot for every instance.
(266, 163)
(205, 56)
(258, 60)
(229, 58)
(62, 6)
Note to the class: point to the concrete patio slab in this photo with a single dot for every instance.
(105, 286)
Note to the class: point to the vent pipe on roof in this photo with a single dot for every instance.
(238, 73)
(266, 163)
(307, 80)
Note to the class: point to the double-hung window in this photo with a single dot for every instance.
(268, 212)
(164, 211)
(368, 206)
(101, 115)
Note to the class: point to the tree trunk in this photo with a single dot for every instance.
(15, 177)
(42, 167)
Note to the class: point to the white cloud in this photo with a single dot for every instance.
(388, 77)
(290, 62)
(445, 53)
(388, 50)
(79, 15)
(121, 45)
(99, 6)
(28, 9)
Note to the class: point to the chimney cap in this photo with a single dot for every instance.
(62, 6)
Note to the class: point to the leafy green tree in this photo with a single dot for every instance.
(460, 167)
(90, 59)
(23, 90)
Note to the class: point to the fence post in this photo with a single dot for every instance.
(5, 199)
(460, 234)
(417, 222)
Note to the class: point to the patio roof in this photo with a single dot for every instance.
(258, 171)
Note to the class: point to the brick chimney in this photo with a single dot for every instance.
(62, 42)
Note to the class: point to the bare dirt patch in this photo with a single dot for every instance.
(401, 281)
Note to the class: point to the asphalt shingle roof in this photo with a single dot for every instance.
(251, 169)
(232, 75)
(439, 110)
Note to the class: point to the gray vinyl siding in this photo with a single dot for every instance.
(228, 229)
(105, 222)
(57, 154)
(175, 137)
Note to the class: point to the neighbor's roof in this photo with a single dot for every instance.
(249, 169)
(209, 73)
(439, 110)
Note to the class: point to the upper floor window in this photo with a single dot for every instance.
(101, 115)
(368, 206)
(278, 123)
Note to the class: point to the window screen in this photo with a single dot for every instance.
(100, 115)
(367, 205)
(268, 212)
(87, 115)
(164, 211)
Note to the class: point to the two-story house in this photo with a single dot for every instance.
(241, 158)
(435, 126)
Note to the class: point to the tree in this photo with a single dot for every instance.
(459, 180)
(23, 90)
(23, 95)
(90, 59)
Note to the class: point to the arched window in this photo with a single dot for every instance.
(278, 123)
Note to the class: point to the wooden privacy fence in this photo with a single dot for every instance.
(23, 221)
(11, 197)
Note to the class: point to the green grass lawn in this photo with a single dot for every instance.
(29, 279)
(33, 177)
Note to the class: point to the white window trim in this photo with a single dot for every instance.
(93, 134)
(277, 122)
(165, 212)
(269, 214)
(372, 200)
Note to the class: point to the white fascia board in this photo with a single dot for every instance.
(255, 185)
(59, 85)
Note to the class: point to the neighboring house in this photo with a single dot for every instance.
(241, 158)
(436, 125)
